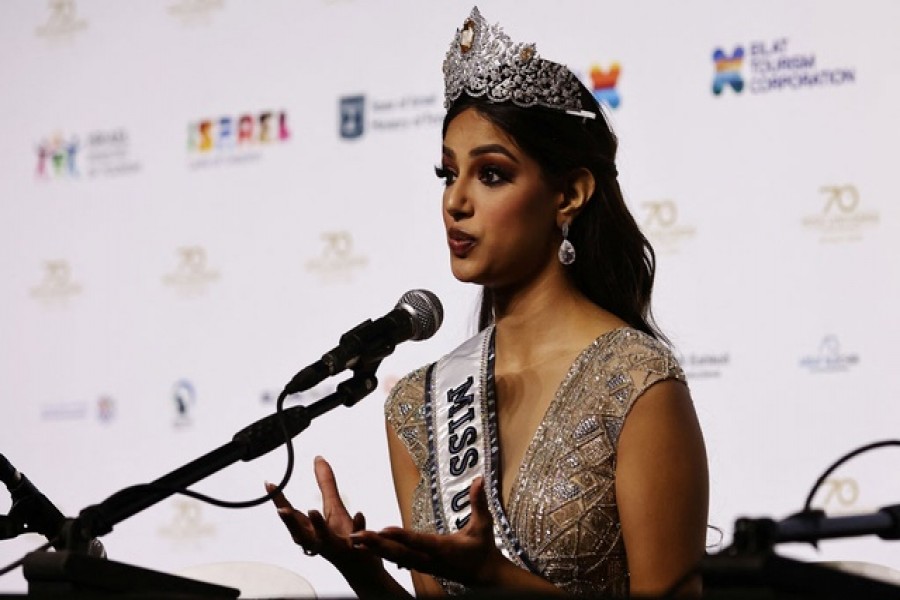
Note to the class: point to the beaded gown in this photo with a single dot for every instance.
(561, 514)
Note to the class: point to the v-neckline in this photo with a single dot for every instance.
(493, 425)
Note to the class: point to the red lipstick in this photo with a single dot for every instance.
(460, 242)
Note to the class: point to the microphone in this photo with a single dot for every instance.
(32, 512)
(417, 316)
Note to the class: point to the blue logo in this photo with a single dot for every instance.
(352, 116)
(830, 358)
(184, 396)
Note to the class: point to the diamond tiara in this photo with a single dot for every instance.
(484, 62)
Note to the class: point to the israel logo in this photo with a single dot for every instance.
(352, 124)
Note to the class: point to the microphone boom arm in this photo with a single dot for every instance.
(251, 442)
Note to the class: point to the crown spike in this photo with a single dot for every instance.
(484, 62)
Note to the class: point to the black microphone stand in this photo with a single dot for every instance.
(750, 564)
(70, 570)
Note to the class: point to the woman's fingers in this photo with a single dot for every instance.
(298, 525)
(279, 499)
(331, 497)
(394, 549)
(359, 522)
(481, 518)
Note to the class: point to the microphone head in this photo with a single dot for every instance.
(426, 312)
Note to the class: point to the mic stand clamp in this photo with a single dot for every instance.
(751, 563)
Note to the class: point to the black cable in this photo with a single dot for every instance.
(808, 504)
(15, 564)
(289, 469)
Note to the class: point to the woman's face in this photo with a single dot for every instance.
(499, 213)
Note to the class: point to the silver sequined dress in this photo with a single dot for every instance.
(562, 506)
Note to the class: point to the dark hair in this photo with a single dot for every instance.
(616, 264)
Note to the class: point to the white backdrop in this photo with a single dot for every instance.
(199, 196)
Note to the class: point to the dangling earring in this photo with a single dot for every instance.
(566, 252)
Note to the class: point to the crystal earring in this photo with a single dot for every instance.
(566, 252)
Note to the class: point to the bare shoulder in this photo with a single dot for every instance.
(662, 487)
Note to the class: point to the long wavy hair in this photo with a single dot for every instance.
(616, 264)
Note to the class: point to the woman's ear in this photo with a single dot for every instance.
(579, 187)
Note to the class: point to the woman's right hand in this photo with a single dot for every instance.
(328, 533)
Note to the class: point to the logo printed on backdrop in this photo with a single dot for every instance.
(106, 409)
(661, 224)
(57, 286)
(830, 358)
(603, 84)
(76, 410)
(62, 23)
(841, 219)
(704, 365)
(184, 397)
(774, 67)
(195, 12)
(728, 70)
(57, 158)
(840, 494)
(387, 114)
(106, 153)
(186, 525)
(64, 411)
(337, 262)
(236, 139)
(192, 276)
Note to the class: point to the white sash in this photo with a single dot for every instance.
(462, 439)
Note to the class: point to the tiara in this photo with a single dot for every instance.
(484, 62)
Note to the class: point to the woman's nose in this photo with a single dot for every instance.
(456, 201)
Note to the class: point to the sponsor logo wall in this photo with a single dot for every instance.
(197, 207)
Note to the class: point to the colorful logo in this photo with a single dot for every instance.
(603, 84)
(728, 70)
(106, 409)
(243, 131)
(774, 66)
(352, 111)
(56, 158)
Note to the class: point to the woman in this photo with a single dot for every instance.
(505, 477)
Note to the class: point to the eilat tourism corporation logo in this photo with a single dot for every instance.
(842, 218)
(773, 66)
(662, 225)
(232, 139)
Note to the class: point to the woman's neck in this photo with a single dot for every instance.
(549, 316)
